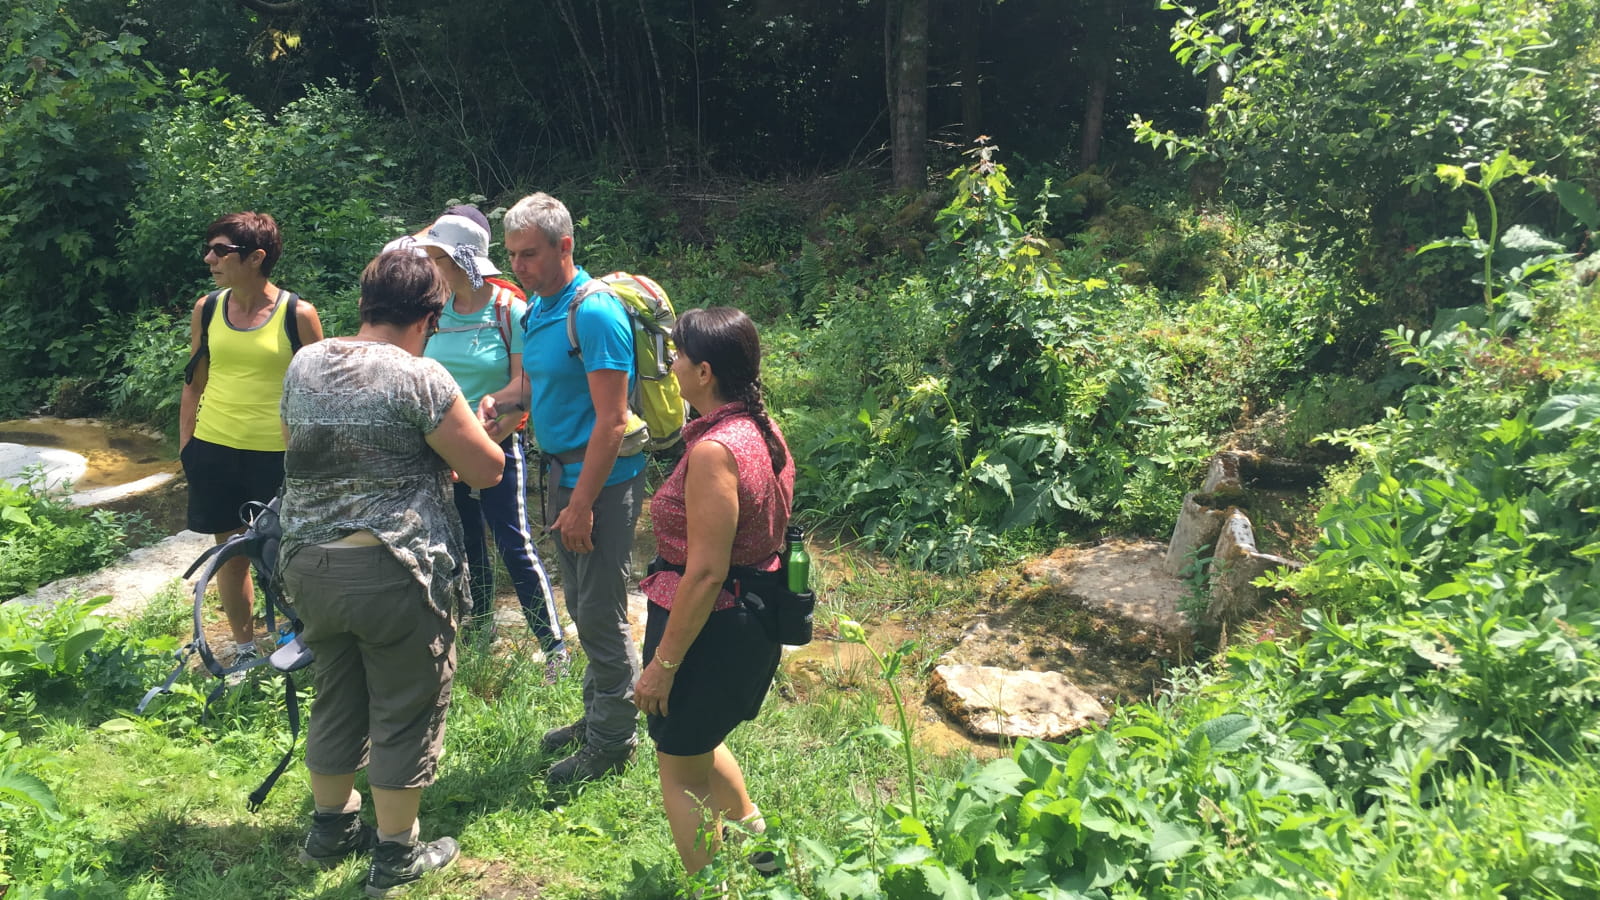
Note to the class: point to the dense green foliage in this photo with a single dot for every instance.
(1336, 113)
(1019, 385)
(42, 538)
(110, 174)
(75, 105)
(1429, 727)
(1029, 352)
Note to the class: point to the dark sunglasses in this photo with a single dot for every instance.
(221, 250)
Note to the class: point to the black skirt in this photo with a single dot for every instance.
(721, 682)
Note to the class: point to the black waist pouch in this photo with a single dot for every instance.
(785, 616)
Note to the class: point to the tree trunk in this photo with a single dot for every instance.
(1101, 40)
(1206, 176)
(908, 101)
(971, 90)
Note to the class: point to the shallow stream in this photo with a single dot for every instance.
(115, 454)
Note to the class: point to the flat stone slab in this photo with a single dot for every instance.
(60, 466)
(992, 702)
(1126, 579)
(111, 492)
(132, 580)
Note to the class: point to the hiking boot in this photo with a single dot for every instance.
(589, 763)
(334, 837)
(556, 665)
(558, 738)
(396, 865)
(765, 862)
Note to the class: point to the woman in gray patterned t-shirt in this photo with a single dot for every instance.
(370, 559)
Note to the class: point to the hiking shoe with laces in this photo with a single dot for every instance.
(556, 665)
(238, 654)
(334, 837)
(589, 763)
(558, 738)
(394, 866)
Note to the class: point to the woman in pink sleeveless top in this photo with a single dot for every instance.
(709, 660)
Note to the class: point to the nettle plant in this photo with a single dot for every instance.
(1010, 422)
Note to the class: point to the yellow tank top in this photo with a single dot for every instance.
(244, 384)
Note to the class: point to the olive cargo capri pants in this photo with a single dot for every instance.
(384, 665)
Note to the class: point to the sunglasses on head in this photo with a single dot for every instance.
(221, 250)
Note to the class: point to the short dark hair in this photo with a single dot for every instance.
(401, 288)
(252, 231)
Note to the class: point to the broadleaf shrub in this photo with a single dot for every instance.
(1428, 729)
(1021, 387)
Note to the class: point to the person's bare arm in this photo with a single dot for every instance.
(608, 390)
(189, 403)
(510, 402)
(307, 322)
(466, 447)
(711, 505)
(504, 422)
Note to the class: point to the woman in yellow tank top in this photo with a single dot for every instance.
(230, 433)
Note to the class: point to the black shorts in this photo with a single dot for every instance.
(722, 681)
(222, 479)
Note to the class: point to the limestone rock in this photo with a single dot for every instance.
(1196, 530)
(993, 703)
(1236, 564)
(60, 466)
(1123, 579)
(131, 581)
(1223, 475)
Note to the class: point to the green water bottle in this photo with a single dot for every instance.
(799, 561)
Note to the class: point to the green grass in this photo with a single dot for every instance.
(154, 807)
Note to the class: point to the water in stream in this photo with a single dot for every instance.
(115, 454)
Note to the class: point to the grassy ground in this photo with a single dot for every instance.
(165, 794)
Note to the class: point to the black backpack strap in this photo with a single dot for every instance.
(207, 313)
(291, 702)
(291, 322)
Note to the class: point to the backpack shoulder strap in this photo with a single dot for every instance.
(502, 314)
(589, 288)
(291, 322)
(207, 313)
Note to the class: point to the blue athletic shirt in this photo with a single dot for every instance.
(562, 410)
(471, 349)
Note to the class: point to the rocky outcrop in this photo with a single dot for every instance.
(1236, 564)
(1214, 527)
(992, 702)
(1123, 579)
(1193, 536)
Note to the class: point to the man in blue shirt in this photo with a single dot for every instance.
(578, 403)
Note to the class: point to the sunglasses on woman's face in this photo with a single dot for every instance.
(221, 250)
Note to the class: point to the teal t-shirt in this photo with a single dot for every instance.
(472, 350)
(561, 409)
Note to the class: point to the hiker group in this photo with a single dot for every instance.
(400, 451)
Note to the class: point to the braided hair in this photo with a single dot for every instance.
(727, 339)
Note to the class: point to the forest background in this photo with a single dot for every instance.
(1021, 268)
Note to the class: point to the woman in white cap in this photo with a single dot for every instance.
(480, 343)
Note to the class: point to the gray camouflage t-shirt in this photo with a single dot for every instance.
(358, 414)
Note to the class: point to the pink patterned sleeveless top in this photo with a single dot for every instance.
(764, 501)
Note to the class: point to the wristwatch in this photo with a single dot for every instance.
(667, 664)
